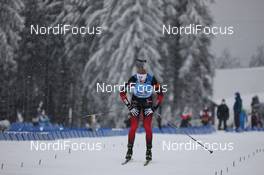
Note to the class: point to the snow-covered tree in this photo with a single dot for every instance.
(40, 65)
(195, 74)
(132, 29)
(11, 23)
(227, 61)
(257, 59)
(78, 48)
(171, 61)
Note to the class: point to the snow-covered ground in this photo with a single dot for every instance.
(17, 158)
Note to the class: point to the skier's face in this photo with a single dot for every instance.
(139, 66)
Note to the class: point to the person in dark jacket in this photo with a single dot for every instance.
(255, 120)
(237, 109)
(255, 103)
(222, 114)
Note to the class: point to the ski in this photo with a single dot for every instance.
(125, 162)
(147, 162)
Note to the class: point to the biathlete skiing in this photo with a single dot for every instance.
(143, 87)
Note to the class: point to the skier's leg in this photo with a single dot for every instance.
(148, 129)
(131, 136)
(133, 129)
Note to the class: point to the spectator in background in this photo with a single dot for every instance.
(205, 116)
(4, 124)
(237, 109)
(186, 117)
(92, 123)
(243, 119)
(222, 114)
(254, 103)
(255, 120)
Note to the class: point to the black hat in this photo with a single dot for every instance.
(140, 62)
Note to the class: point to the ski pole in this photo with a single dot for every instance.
(210, 151)
(173, 126)
(96, 114)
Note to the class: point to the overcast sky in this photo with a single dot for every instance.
(247, 17)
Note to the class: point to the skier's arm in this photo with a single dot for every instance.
(158, 89)
(123, 97)
(123, 92)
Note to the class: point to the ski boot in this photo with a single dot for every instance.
(149, 153)
(129, 152)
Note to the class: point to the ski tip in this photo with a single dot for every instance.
(125, 162)
(147, 162)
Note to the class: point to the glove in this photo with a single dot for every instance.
(133, 110)
(151, 110)
(148, 111)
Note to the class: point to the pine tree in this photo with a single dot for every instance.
(78, 49)
(195, 74)
(132, 29)
(186, 68)
(227, 61)
(39, 61)
(11, 24)
(257, 59)
(171, 63)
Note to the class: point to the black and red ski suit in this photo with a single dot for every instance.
(144, 104)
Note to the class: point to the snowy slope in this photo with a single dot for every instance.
(108, 160)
